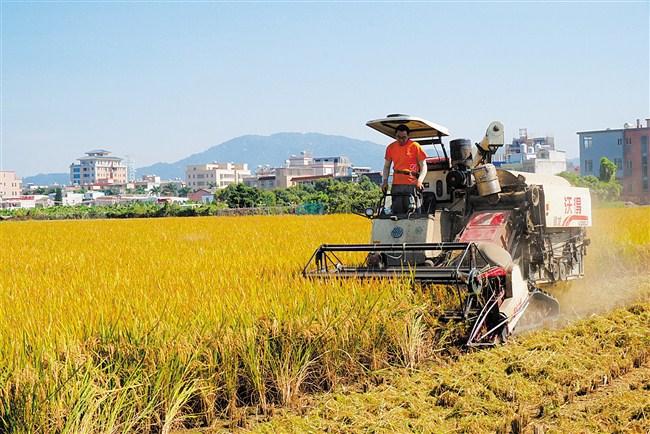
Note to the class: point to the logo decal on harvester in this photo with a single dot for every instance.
(397, 232)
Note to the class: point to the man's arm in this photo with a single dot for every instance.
(384, 175)
(423, 172)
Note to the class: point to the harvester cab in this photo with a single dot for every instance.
(493, 236)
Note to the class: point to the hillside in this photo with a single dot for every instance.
(274, 150)
(255, 150)
(48, 179)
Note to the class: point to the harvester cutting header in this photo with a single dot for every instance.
(493, 236)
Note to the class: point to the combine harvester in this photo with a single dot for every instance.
(493, 236)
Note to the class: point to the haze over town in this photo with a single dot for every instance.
(159, 81)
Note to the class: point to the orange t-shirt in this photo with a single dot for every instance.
(405, 157)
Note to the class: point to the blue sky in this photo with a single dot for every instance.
(159, 81)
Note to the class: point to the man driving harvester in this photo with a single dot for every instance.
(409, 169)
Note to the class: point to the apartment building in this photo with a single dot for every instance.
(98, 167)
(597, 144)
(10, 184)
(627, 147)
(635, 156)
(304, 165)
(215, 175)
(300, 169)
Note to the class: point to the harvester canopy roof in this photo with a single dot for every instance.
(420, 128)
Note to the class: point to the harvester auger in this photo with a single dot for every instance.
(492, 236)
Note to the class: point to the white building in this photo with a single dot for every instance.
(10, 184)
(26, 201)
(534, 155)
(98, 167)
(525, 148)
(547, 162)
(68, 198)
(107, 200)
(299, 168)
(218, 175)
(148, 182)
(92, 195)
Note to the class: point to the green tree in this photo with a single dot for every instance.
(345, 197)
(184, 191)
(170, 189)
(58, 197)
(239, 196)
(607, 169)
(114, 191)
(266, 198)
(287, 197)
(608, 191)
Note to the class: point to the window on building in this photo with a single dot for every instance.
(587, 142)
(620, 141)
(589, 166)
(619, 163)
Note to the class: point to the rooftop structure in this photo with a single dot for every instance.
(97, 166)
(525, 148)
(534, 154)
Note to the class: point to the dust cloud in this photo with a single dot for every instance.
(615, 276)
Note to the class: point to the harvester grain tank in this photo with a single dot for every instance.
(495, 237)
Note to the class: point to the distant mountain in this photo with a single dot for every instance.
(274, 150)
(256, 150)
(48, 179)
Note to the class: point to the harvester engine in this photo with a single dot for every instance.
(493, 236)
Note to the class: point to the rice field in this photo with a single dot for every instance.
(163, 324)
(591, 377)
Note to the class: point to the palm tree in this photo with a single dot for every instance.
(184, 191)
(170, 189)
